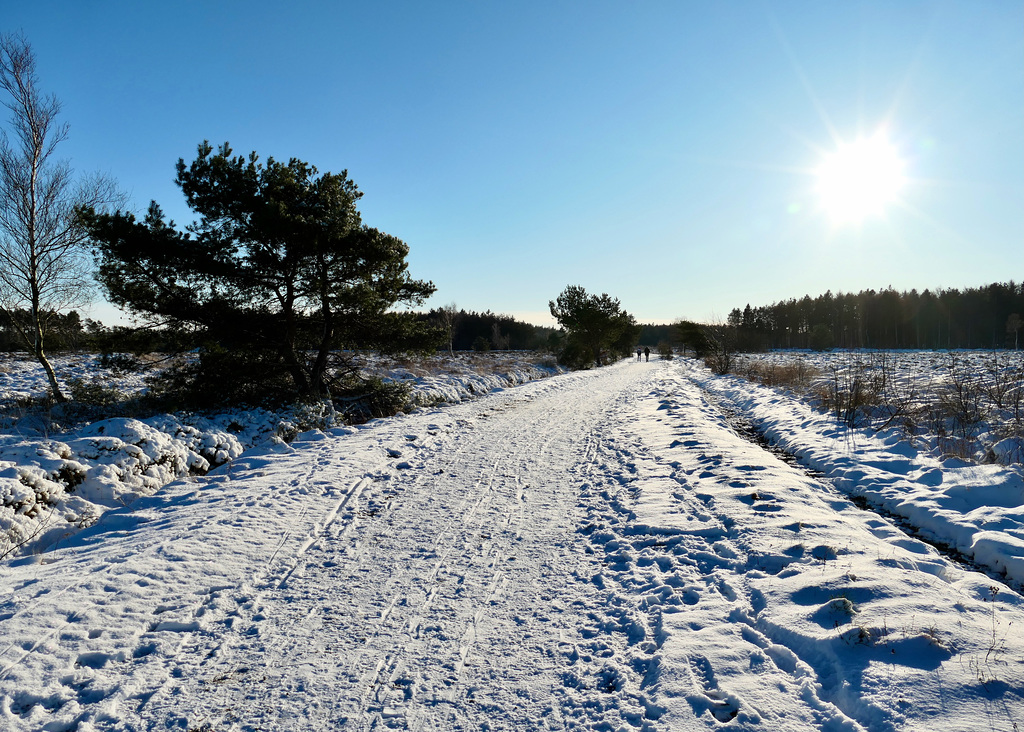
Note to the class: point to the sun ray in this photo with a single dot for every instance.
(804, 81)
(934, 223)
(913, 68)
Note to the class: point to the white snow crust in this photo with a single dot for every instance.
(599, 550)
(55, 482)
(976, 509)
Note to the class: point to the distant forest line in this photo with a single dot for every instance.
(983, 317)
(990, 316)
(70, 332)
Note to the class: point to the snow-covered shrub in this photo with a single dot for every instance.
(215, 445)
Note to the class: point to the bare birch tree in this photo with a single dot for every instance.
(44, 262)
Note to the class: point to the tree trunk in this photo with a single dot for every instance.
(50, 375)
(38, 350)
(287, 347)
(318, 380)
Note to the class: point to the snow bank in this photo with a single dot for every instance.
(444, 378)
(966, 403)
(52, 485)
(778, 603)
(976, 509)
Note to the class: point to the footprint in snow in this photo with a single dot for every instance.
(723, 706)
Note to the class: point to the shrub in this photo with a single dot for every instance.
(576, 356)
(360, 399)
(220, 377)
(94, 393)
(793, 375)
(123, 362)
(848, 392)
(665, 351)
(720, 345)
(962, 398)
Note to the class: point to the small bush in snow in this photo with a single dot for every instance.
(122, 362)
(361, 399)
(795, 375)
(481, 344)
(94, 393)
(720, 352)
(315, 415)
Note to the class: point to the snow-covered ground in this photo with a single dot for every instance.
(978, 510)
(56, 479)
(599, 550)
(964, 403)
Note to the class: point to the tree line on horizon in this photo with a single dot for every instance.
(468, 330)
(983, 317)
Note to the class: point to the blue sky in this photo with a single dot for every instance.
(662, 152)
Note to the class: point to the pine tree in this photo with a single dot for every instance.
(594, 325)
(276, 273)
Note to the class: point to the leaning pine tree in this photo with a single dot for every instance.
(276, 273)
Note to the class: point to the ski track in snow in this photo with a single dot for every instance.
(595, 551)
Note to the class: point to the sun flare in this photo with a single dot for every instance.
(860, 179)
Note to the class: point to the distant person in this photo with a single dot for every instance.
(638, 353)
(647, 353)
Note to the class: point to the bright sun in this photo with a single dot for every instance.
(860, 179)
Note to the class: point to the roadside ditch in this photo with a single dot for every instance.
(749, 431)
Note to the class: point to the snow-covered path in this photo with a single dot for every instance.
(594, 551)
(432, 599)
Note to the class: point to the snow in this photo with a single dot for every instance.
(976, 509)
(925, 394)
(600, 550)
(56, 480)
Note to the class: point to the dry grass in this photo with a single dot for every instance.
(794, 375)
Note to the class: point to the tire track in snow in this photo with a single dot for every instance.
(454, 564)
(138, 635)
(155, 629)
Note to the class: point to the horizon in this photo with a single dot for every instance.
(684, 159)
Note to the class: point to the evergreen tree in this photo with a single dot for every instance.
(277, 271)
(594, 325)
